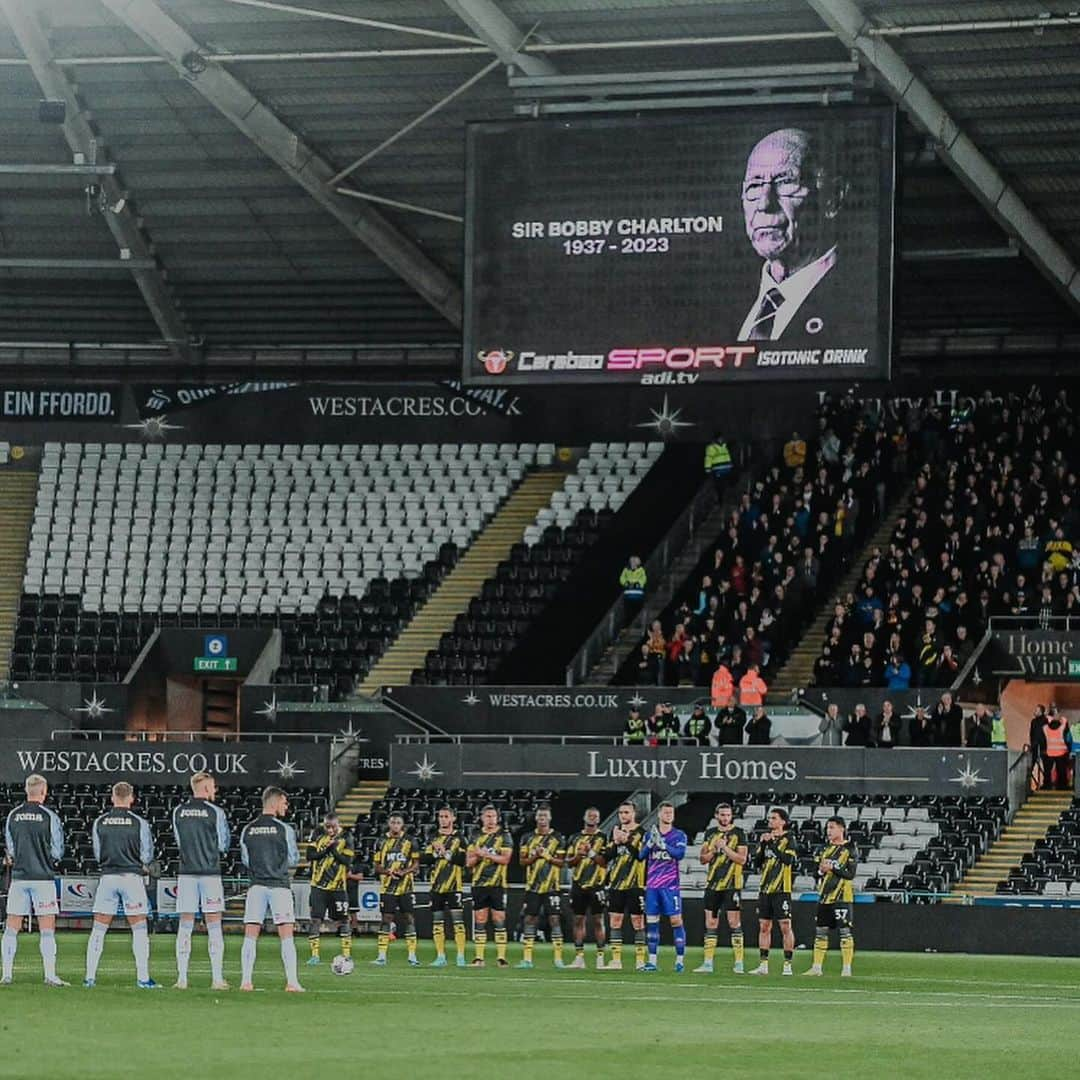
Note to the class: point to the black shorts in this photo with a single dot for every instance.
(717, 900)
(329, 904)
(774, 905)
(834, 916)
(488, 898)
(535, 902)
(447, 901)
(399, 904)
(587, 901)
(626, 901)
(352, 891)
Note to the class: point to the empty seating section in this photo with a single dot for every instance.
(324, 541)
(906, 844)
(1052, 868)
(552, 548)
(79, 804)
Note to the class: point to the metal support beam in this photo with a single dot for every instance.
(57, 170)
(123, 265)
(83, 139)
(956, 148)
(291, 153)
(488, 21)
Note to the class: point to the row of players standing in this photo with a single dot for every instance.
(631, 874)
(124, 849)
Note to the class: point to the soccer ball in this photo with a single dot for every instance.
(342, 965)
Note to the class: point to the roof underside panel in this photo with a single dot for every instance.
(252, 259)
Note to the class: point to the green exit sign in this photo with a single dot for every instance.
(1074, 669)
(215, 663)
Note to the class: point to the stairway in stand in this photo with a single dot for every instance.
(797, 672)
(18, 495)
(358, 801)
(464, 582)
(1042, 811)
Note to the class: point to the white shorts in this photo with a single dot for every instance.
(32, 897)
(278, 900)
(116, 889)
(197, 892)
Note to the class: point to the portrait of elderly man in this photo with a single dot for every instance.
(791, 199)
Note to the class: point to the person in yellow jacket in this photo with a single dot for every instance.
(633, 580)
(718, 463)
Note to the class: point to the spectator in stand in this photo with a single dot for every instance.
(795, 452)
(857, 728)
(949, 720)
(825, 673)
(886, 727)
(923, 729)
(752, 688)
(633, 581)
(662, 725)
(759, 728)
(980, 727)
(657, 645)
(947, 667)
(897, 673)
(831, 726)
(648, 667)
(722, 690)
(1056, 751)
(634, 733)
(730, 725)
(698, 729)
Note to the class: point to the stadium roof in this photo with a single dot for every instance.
(230, 124)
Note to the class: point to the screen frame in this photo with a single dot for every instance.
(888, 183)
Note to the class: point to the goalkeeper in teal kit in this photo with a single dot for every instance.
(662, 851)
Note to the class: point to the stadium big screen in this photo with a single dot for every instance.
(746, 244)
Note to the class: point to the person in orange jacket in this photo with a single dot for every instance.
(752, 688)
(723, 687)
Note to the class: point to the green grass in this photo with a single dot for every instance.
(913, 1015)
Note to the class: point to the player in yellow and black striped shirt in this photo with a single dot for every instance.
(330, 856)
(725, 852)
(775, 857)
(542, 854)
(487, 856)
(445, 854)
(626, 885)
(836, 896)
(396, 860)
(585, 854)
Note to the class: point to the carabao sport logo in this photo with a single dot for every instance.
(495, 361)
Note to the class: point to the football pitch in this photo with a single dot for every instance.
(911, 1015)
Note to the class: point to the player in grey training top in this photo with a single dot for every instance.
(34, 839)
(123, 847)
(202, 835)
(268, 849)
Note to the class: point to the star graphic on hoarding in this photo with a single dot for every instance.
(288, 768)
(918, 704)
(269, 709)
(349, 732)
(976, 678)
(94, 707)
(153, 427)
(425, 770)
(666, 422)
(470, 699)
(968, 778)
(637, 701)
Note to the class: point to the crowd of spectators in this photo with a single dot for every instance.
(989, 531)
(731, 725)
(783, 546)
